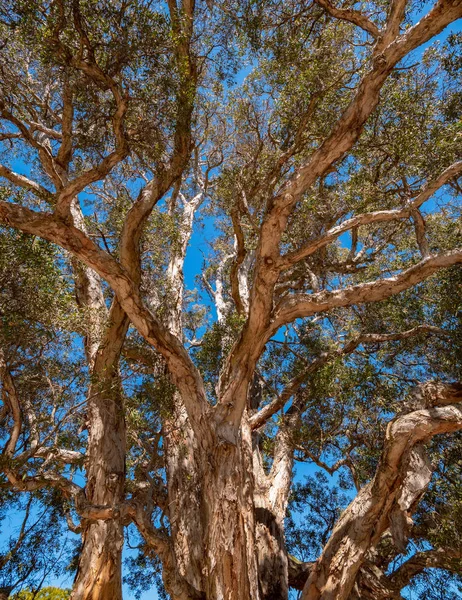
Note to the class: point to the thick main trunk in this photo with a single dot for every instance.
(212, 518)
(99, 571)
(100, 562)
(231, 568)
(226, 527)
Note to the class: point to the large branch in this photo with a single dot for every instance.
(400, 480)
(10, 399)
(380, 216)
(184, 374)
(349, 127)
(396, 15)
(304, 305)
(25, 183)
(438, 558)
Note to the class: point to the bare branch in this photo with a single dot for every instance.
(26, 183)
(65, 150)
(419, 225)
(395, 18)
(239, 259)
(62, 455)
(438, 558)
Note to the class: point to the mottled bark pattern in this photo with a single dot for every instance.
(184, 495)
(99, 572)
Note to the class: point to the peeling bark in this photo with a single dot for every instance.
(231, 571)
(184, 499)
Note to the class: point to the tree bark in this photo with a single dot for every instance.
(100, 565)
(184, 500)
(230, 569)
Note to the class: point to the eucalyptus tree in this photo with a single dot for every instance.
(319, 143)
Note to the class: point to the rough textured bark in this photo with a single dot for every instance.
(184, 499)
(99, 575)
(231, 569)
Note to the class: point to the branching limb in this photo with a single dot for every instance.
(26, 183)
(352, 16)
(11, 401)
(381, 216)
(239, 259)
(396, 486)
(159, 542)
(300, 305)
(184, 373)
(438, 558)
(238, 371)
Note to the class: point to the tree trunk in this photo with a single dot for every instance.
(100, 563)
(99, 572)
(184, 500)
(231, 569)
(226, 519)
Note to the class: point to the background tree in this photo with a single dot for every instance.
(48, 593)
(319, 145)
